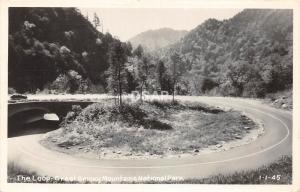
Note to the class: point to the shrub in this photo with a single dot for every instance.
(71, 115)
(131, 114)
(254, 89)
(166, 104)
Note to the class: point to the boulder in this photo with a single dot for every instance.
(237, 136)
(50, 117)
(284, 106)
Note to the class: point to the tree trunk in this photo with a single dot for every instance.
(141, 92)
(173, 93)
(120, 94)
(174, 81)
(120, 87)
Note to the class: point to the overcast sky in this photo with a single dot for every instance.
(128, 22)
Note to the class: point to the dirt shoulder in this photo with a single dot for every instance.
(280, 100)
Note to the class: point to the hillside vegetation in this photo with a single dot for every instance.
(58, 49)
(248, 55)
(155, 39)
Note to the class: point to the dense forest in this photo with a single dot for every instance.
(249, 55)
(60, 50)
(56, 49)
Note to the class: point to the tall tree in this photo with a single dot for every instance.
(116, 73)
(139, 51)
(162, 76)
(129, 48)
(143, 73)
(176, 62)
(239, 73)
(96, 21)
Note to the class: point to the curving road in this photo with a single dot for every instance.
(276, 141)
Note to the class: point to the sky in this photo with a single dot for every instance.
(128, 22)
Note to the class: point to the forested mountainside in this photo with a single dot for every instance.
(55, 48)
(58, 49)
(156, 39)
(250, 54)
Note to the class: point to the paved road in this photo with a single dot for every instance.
(276, 141)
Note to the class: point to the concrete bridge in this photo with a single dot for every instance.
(24, 113)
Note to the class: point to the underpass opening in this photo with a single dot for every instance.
(29, 122)
(31, 117)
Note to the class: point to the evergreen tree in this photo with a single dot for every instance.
(143, 73)
(176, 62)
(139, 51)
(117, 58)
(96, 21)
(162, 76)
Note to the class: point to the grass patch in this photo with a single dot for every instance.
(13, 171)
(18, 174)
(282, 167)
(151, 128)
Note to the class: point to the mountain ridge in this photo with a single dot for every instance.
(157, 38)
(254, 41)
